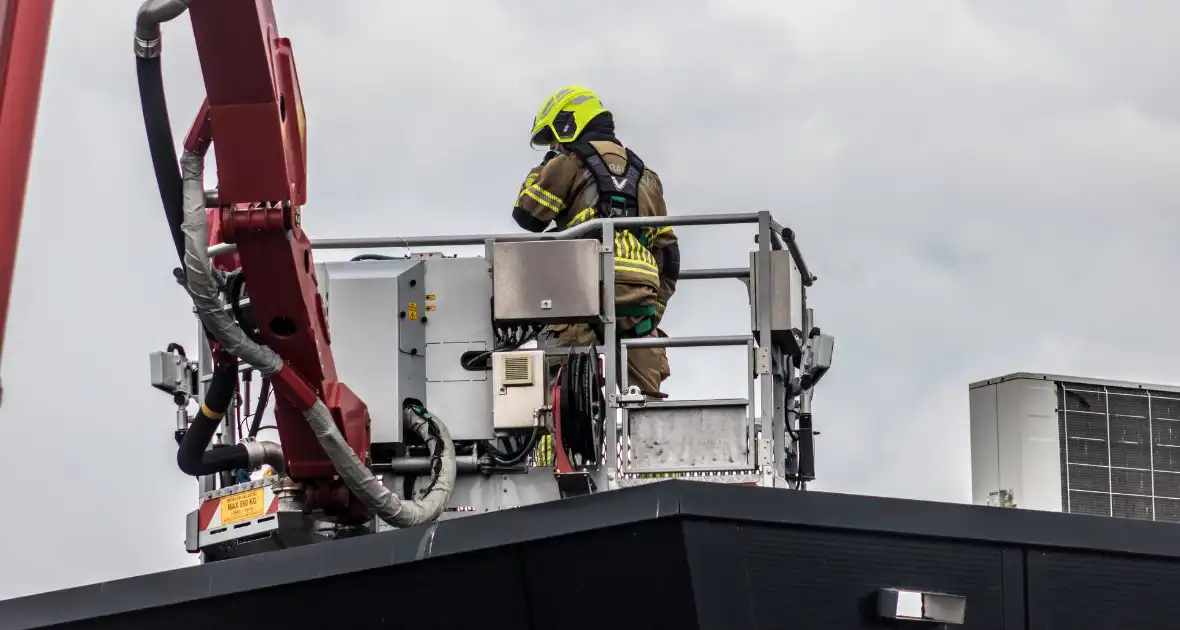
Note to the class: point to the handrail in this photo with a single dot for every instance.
(687, 342)
(784, 236)
(715, 273)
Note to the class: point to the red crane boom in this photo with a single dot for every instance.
(253, 115)
(24, 35)
(255, 112)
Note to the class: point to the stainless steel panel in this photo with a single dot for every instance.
(708, 437)
(547, 282)
(375, 311)
(786, 298)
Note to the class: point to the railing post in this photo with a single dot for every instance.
(610, 449)
(764, 362)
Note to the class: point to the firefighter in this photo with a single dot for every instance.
(588, 173)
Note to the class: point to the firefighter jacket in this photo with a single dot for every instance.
(563, 190)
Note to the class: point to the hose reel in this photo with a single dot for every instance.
(581, 406)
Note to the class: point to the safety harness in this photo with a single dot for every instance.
(618, 198)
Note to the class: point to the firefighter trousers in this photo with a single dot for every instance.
(647, 368)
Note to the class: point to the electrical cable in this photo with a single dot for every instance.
(263, 398)
(522, 451)
(506, 341)
(234, 290)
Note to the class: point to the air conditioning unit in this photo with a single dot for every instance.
(518, 388)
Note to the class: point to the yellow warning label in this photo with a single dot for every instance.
(430, 308)
(242, 506)
(429, 297)
(412, 312)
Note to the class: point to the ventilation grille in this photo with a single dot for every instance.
(518, 369)
(1120, 451)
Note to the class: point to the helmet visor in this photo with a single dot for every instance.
(542, 139)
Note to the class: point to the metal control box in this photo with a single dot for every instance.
(458, 322)
(375, 314)
(786, 299)
(518, 381)
(170, 374)
(547, 282)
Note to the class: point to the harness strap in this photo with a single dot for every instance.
(618, 197)
(634, 310)
(645, 324)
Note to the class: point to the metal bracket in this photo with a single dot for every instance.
(762, 361)
(765, 452)
(633, 398)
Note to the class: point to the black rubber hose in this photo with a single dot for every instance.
(194, 456)
(163, 149)
(580, 398)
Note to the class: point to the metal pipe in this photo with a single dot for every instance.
(696, 404)
(480, 239)
(608, 468)
(715, 274)
(687, 342)
(764, 356)
(691, 219)
(151, 14)
(424, 465)
(269, 453)
(787, 235)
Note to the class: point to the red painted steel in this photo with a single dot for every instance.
(254, 113)
(24, 36)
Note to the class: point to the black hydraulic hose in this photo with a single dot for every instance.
(163, 149)
(194, 456)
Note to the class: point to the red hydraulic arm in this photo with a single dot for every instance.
(24, 35)
(253, 115)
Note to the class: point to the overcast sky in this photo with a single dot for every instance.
(982, 188)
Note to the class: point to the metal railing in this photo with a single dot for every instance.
(770, 235)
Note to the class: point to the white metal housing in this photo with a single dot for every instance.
(518, 384)
(1078, 445)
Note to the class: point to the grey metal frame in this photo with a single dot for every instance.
(696, 342)
(768, 367)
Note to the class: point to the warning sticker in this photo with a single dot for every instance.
(242, 506)
(429, 297)
(412, 312)
(430, 308)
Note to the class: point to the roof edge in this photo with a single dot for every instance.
(1081, 380)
